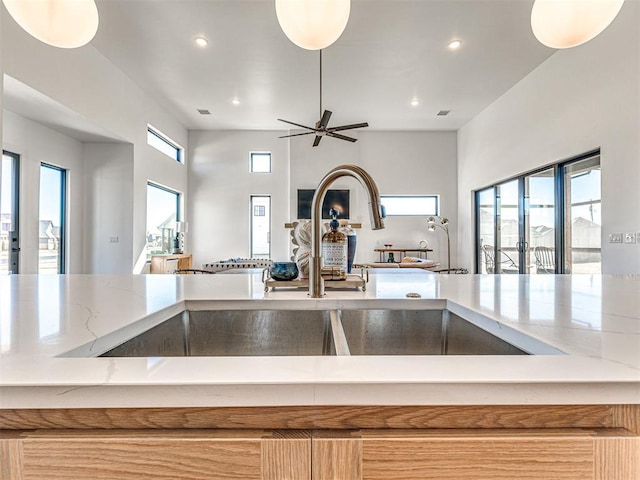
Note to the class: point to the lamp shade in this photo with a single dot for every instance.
(568, 23)
(313, 24)
(60, 23)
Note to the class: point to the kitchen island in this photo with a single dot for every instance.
(575, 397)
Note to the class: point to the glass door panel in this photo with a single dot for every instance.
(540, 218)
(486, 210)
(51, 258)
(9, 243)
(507, 256)
(583, 216)
(260, 226)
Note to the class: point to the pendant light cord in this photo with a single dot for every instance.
(320, 116)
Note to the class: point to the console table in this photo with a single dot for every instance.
(421, 252)
(169, 262)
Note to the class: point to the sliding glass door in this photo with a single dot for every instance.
(9, 239)
(540, 220)
(582, 231)
(547, 221)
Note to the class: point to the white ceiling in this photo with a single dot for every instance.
(390, 52)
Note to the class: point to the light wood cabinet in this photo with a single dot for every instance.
(170, 262)
(525, 454)
(566, 442)
(141, 455)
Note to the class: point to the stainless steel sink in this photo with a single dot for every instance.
(314, 332)
(235, 333)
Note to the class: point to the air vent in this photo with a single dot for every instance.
(204, 112)
(443, 113)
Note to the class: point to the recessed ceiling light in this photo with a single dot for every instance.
(235, 101)
(201, 41)
(415, 102)
(456, 44)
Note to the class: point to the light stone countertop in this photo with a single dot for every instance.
(53, 327)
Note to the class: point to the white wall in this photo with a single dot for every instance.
(411, 163)
(579, 99)
(37, 144)
(220, 186)
(84, 81)
(401, 163)
(108, 186)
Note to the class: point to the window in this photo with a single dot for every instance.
(415, 205)
(260, 162)
(51, 244)
(162, 143)
(163, 211)
(545, 221)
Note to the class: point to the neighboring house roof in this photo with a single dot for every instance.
(169, 223)
(46, 229)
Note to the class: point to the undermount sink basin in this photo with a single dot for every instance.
(314, 333)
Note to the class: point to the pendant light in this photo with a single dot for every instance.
(568, 23)
(60, 23)
(313, 24)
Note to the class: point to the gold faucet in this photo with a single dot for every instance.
(376, 213)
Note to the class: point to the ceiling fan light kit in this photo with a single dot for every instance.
(313, 24)
(59, 23)
(569, 23)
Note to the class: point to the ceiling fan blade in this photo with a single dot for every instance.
(296, 134)
(296, 124)
(325, 119)
(341, 137)
(347, 127)
(316, 142)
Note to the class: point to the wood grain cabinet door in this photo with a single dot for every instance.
(525, 454)
(145, 455)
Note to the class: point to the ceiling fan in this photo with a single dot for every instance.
(322, 129)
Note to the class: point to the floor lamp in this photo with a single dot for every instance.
(443, 223)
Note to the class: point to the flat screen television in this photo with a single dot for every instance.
(338, 199)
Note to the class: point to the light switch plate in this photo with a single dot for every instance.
(615, 238)
(629, 238)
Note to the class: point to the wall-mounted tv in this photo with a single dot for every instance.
(338, 199)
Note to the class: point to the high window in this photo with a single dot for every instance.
(260, 162)
(546, 221)
(161, 142)
(410, 205)
(163, 211)
(51, 242)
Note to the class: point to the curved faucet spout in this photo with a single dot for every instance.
(316, 285)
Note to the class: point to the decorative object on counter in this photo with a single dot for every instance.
(334, 245)
(311, 24)
(351, 243)
(301, 238)
(331, 277)
(566, 24)
(178, 242)
(284, 271)
(59, 23)
(443, 223)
